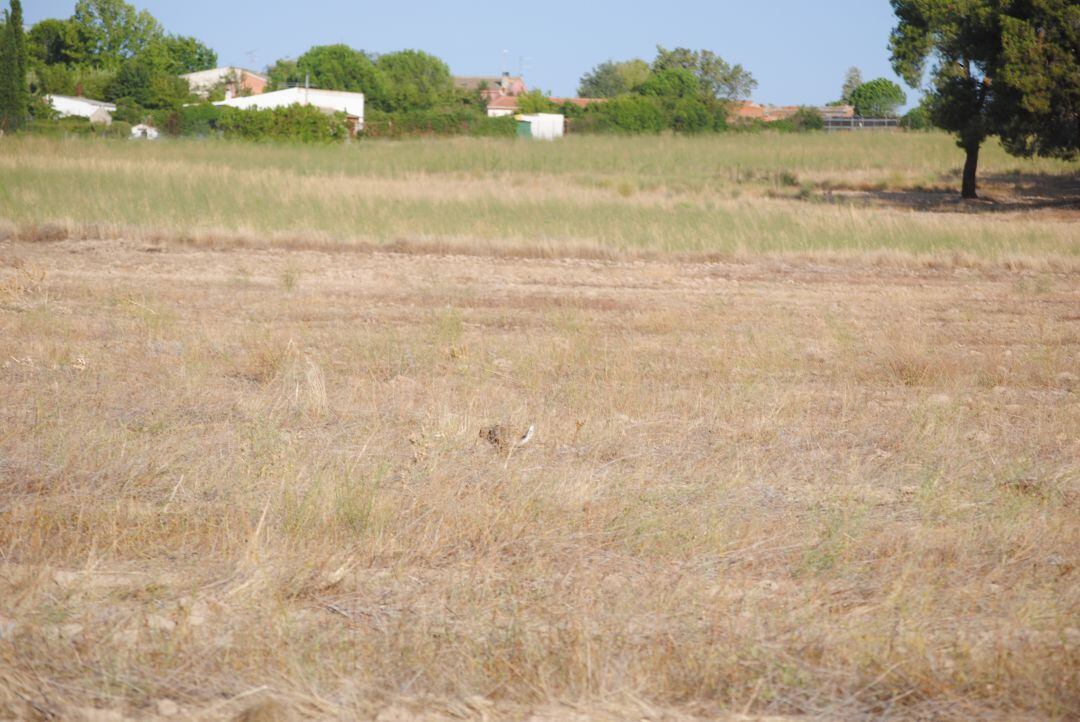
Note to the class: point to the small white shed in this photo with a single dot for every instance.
(541, 126)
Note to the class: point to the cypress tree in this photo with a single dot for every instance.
(13, 104)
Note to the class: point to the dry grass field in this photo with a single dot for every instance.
(805, 448)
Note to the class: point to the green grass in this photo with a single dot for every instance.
(721, 194)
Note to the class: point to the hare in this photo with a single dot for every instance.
(501, 437)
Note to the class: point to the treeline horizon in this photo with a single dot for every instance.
(108, 50)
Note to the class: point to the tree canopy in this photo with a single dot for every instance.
(852, 81)
(878, 98)
(719, 80)
(611, 79)
(112, 31)
(331, 67)
(413, 79)
(55, 42)
(1006, 69)
(13, 96)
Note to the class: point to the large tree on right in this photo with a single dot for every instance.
(1009, 68)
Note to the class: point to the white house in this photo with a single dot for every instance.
(352, 104)
(541, 126)
(238, 81)
(95, 110)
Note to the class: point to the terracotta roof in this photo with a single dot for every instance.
(508, 102)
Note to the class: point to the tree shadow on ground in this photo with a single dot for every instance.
(998, 193)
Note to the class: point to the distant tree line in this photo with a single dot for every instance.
(683, 90)
(1010, 70)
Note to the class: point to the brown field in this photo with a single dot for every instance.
(250, 482)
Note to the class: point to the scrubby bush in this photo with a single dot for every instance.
(916, 119)
(295, 123)
(535, 102)
(691, 116)
(191, 120)
(806, 118)
(630, 114)
(462, 121)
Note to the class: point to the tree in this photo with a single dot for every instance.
(412, 79)
(672, 83)
(1037, 89)
(147, 81)
(718, 79)
(54, 42)
(113, 31)
(878, 98)
(610, 79)
(13, 98)
(852, 81)
(185, 54)
(1006, 69)
(332, 67)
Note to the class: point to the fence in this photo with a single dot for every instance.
(861, 123)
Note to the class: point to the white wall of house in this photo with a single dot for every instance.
(499, 112)
(67, 105)
(350, 103)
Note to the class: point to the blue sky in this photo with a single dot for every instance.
(798, 50)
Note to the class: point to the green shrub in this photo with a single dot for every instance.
(296, 123)
(535, 102)
(462, 121)
(118, 129)
(190, 120)
(691, 116)
(807, 118)
(917, 119)
(630, 114)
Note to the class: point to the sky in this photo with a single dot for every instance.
(797, 50)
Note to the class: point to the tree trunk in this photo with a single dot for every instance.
(971, 166)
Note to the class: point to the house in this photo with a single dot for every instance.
(492, 86)
(333, 101)
(502, 106)
(830, 112)
(749, 110)
(541, 126)
(95, 111)
(237, 81)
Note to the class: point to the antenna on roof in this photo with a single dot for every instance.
(252, 56)
(505, 69)
(523, 65)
